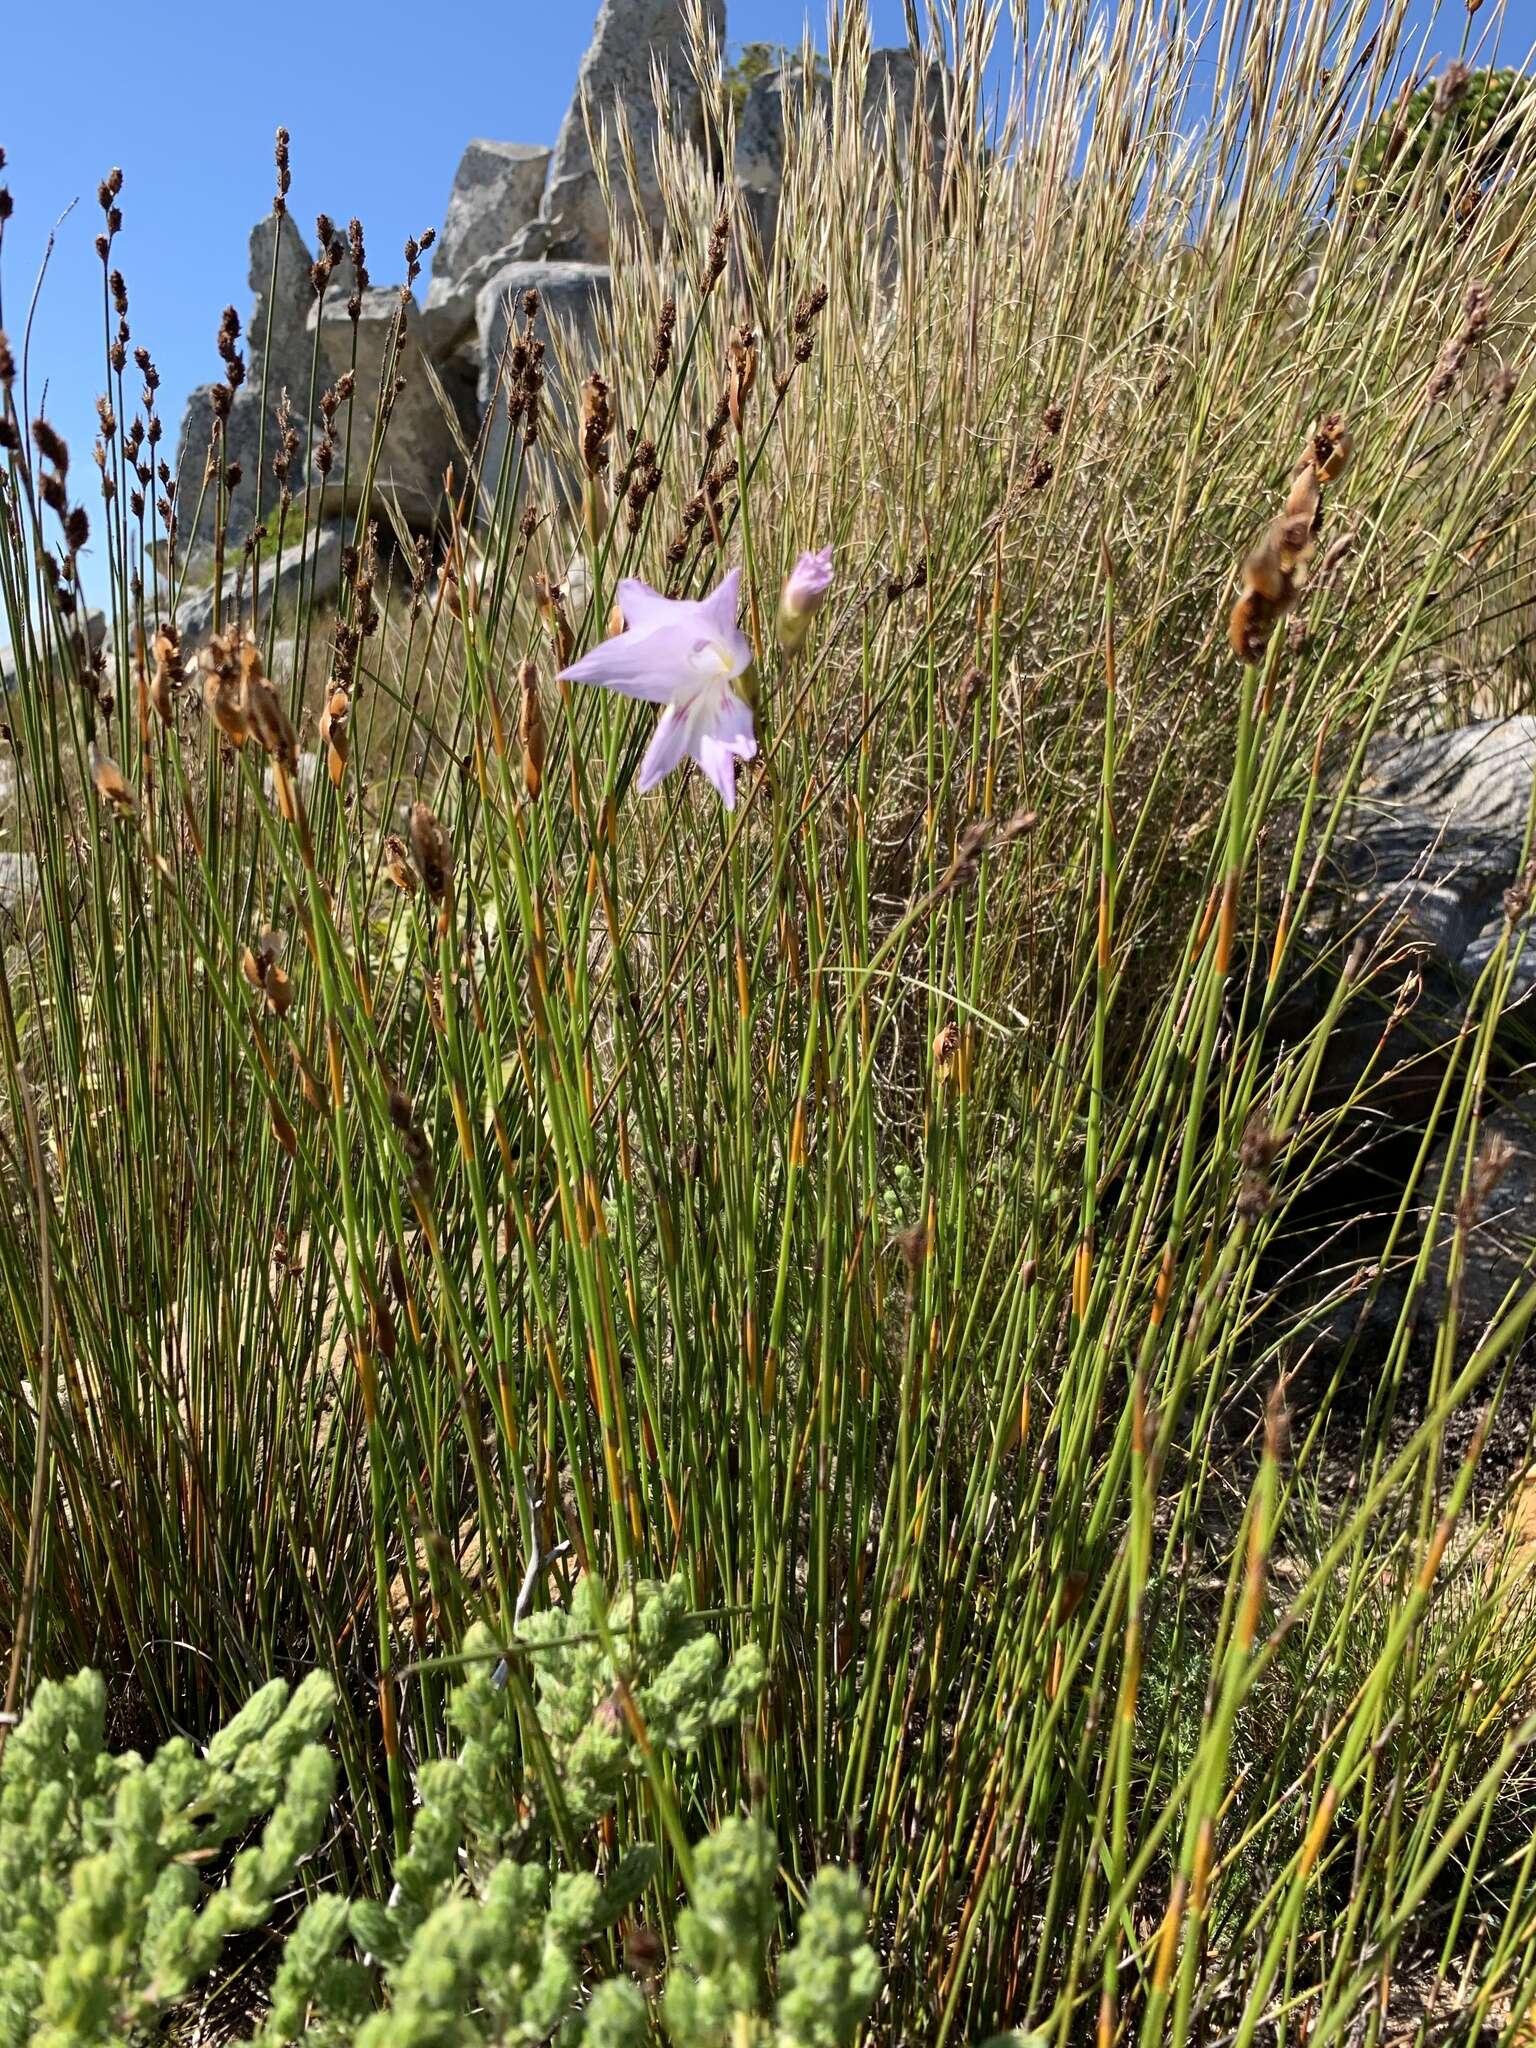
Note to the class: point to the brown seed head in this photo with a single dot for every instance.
(266, 715)
(596, 424)
(530, 729)
(645, 1953)
(1253, 620)
(807, 311)
(1274, 575)
(413, 1141)
(222, 689)
(913, 1245)
(946, 1051)
(666, 328)
(333, 733)
(168, 672)
(550, 599)
(111, 786)
(1331, 449)
(719, 242)
(1451, 87)
(259, 964)
(1260, 1145)
(51, 446)
(742, 374)
(433, 851)
(1255, 1198)
(397, 864)
(967, 690)
(1495, 1156)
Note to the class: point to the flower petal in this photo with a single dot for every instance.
(721, 606)
(807, 584)
(648, 665)
(721, 738)
(731, 723)
(669, 743)
(719, 764)
(643, 608)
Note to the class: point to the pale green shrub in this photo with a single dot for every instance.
(108, 1921)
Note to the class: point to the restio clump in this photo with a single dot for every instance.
(121, 1879)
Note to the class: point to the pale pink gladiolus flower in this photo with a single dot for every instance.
(804, 594)
(686, 654)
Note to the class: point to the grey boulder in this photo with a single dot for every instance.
(1500, 1227)
(1436, 837)
(1411, 902)
(777, 103)
(10, 670)
(572, 300)
(306, 573)
(497, 189)
(629, 38)
(898, 88)
(277, 332)
(277, 359)
(1414, 891)
(18, 885)
(418, 441)
(1474, 774)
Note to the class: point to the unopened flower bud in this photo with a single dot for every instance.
(804, 594)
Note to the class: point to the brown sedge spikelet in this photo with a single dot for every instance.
(262, 969)
(1476, 309)
(461, 589)
(530, 729)
(1496, 1154)
(666, 329)
(719, 243)
(333, 732)
(222, 691)
(266, 715)
(596, 424)
(946, 1052)
(742, 374)
(643, 480)
(433, 851)
(596, 429)
(1275, 574)
(397, 864)
(111, 784)
(550, 599)
(413, 1141)
(1259, 1148)
(169, 672)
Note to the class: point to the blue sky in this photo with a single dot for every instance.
(379, 102)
